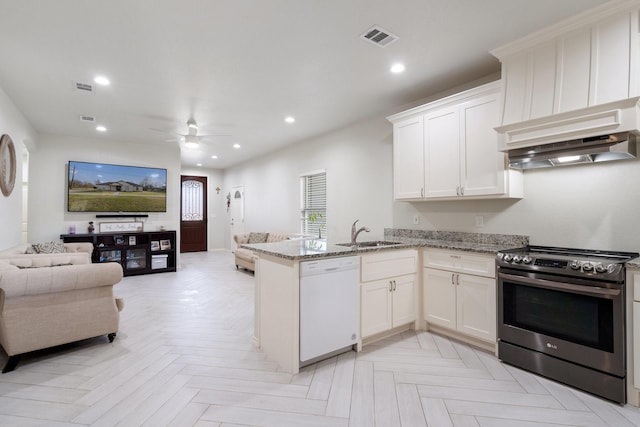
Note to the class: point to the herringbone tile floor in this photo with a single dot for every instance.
(183, 357)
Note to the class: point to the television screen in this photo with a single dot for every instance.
(99, 187)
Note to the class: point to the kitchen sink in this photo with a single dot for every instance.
(371, 244)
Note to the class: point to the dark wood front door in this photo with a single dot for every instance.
(193, 213)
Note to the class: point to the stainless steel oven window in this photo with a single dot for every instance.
(584, 320)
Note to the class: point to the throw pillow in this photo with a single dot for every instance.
(258, 237)
(30, 250)
(49, 247)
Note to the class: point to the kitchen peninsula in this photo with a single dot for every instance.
(277, 280)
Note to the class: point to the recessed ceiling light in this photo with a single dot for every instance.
(289, 119)
(214, 157)
(101, 128)
(397, 68)
(198, 164)
(102, 80)
(236, 145)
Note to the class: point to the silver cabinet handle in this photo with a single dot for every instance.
(462, 191)
(452, 278)
(395, 286)
(390, 285)
(422, 192)
(457, 279)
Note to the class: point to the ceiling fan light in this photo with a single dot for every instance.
(191, 141)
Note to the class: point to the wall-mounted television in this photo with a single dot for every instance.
(101, 187)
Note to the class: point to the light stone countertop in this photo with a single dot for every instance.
(304, 249)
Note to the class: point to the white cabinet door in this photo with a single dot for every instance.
(483, 166)
(404, 301)
(515, 69)
(440, 298)
(476, 306)
(376, 307)
(574, 52)
(442, 152)
(408, 159)
(543, 84)
(611, 59)
(636, 343)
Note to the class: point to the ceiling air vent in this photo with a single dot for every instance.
(379, 36)
(84, 87)
(87, 119)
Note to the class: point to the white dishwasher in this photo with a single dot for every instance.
(329, 307)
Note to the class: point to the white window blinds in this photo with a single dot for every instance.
(314, 204)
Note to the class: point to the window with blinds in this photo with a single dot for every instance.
(313, 206)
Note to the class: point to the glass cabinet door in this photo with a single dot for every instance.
(110, 256)
(136, 258)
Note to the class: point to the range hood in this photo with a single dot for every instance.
(600, 148)
(595, 134)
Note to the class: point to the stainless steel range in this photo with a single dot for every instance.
(561, 314)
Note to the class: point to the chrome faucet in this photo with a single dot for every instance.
(354, 233)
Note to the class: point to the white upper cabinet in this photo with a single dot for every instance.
(408, 157)
(579, 65)
(574, 53)
(611, 68)
(448, 149)
(483, 171)
(442, 153)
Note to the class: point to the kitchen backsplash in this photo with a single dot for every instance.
(459, 236)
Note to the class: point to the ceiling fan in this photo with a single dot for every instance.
(191, 138)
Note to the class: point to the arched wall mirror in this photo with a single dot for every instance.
(7, 165)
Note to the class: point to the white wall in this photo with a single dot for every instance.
(596, 206)
(48, 216)
(589, 206)
(13, 123)
(359, 182)
(216, 206)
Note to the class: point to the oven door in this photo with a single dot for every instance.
(581, 321)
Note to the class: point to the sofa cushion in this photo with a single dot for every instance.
(258, 237)
(53, 247)
(5, 265)
(278, 237)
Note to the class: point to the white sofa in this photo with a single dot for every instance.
(48, 300)
(24, 256)
(244, 257)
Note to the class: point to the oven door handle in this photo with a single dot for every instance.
(541, 283)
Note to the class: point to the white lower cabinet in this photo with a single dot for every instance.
(386, 304)
(387, 291)
(635, 327)
(457, 300)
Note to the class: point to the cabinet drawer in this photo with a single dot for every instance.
(387, 264)
(462, 262)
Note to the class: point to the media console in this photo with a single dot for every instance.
(137, 252)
